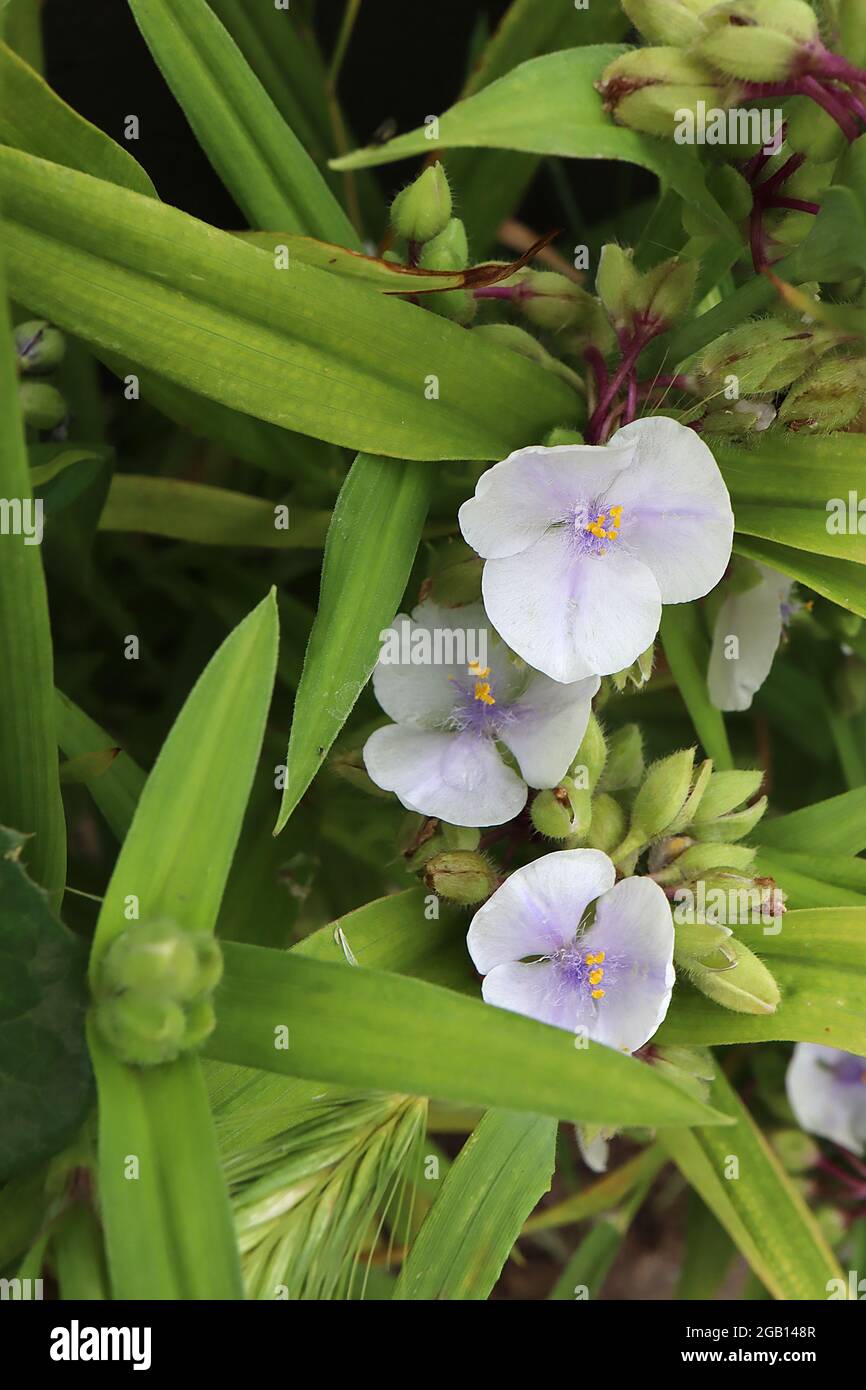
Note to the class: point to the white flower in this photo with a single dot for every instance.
(442, 755)
(755, 613)
(584, 543)
(540, 954)
(827, 1091)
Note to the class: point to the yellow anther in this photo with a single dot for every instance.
(596, 976)
(600, 957)
(598, 994)
(482, 693)
(478, 670)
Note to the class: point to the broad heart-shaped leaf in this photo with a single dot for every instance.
(294, 346)
(169, 1234)
(371, 545)
(549, 105)
(280, 1011)
(688, 650)
(835, 826)
(758, 1205)
(168, 1223)
(501, 1173)
(256, 154)
(843, 581)
(45, 1078)
(818, 958)
(29, 785)
(795, 491)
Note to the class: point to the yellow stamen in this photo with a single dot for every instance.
(597, 528)
(596, 976)
(482, 693)
(598, 994)
(478, 670)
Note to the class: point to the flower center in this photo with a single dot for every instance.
(586, 970)
(594, 525)
(597, 527)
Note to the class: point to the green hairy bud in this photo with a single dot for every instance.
(563, 812)
(608, 823)
(616, 282)
(660, 801)
(757, 40)
(828, 398)
(423, 210)
(550, 300)
(743, 983)
(726, 791)
(625, 761)
(591, 756)
(764, 356)
(699, 858)
(153, 990)
(667, 21)
(664, 294)
(421, 839)
(449, 251)
(38, 346)
(797, 1151)
(691, 1069)
(42, 406)
(645, 89)
(461, 876)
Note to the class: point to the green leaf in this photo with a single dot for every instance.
(297, 347)
(168, 1225)
(45, 1080)
(371, 545)
(600, 1195)
(818, 958)
(33, 118)
(840, 870)
(837, 826)
(759, 1207)
(29, 782)
(116, 793)
(501, 1173)
(258, 157)
(688, 652)
(550, 105)
(206, 515)
(365, 1028)
(812, 888)
(843, 581)
(589, 1266)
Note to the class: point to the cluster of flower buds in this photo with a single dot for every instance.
(448, 860)
(650, 302)
(555, 304)
(421, 216)
(39, 349)
(724, 969)
(724, 54)
(153, 993)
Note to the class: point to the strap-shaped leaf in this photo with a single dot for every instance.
(256, 154)
(117, 791)
(295, 346)
(206, 515)
(281, 1012)
(687, 650)
(837, 826)
(371, 545)
(503, 1170)
(744, 1185)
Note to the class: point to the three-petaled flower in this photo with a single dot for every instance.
(562, 942)
(827, 1091)
(584, 543)
(442, 756)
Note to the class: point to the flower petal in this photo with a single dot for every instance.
(677, 514)
(458, 777)
(518, 499)
(537, 990)
(823, 1103)
(754, 617)
(569, 615)
(538, 908)
(634, 927)
(421, 692)
(550, 723)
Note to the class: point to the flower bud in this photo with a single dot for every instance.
(550, 300)
(625, 760)
(647, 88)
(616, 283)
(455, 578)
(591, 756)
(797, 1151)
(667, 21)
(460, 876)
(764, 355)
(758, 40)
(608, 823)
(828, 398)
(697, 943)
(551, 814)
(725, 791)
(562, 436)
(700, 858)
(733, 826)
(693, 800)
(38, 346)
(743, 417)
(661, 798)
(199, 1023)
(421, 839)
(449, 251)
(744, 984)
(141, 1030)
(421, 211)
(42, 406)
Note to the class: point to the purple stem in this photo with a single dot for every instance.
(596, 427)
(510, 292)
(599, 370)
(794, 204)
(811, 87)
(630, 400)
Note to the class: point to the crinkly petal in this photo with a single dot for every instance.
(755, 618)
(537, 989)
(422, 656)
(634, 929)
(676, 512)
(517, 500)
(538, 909)
(458, 777)
(827, 1091)
(549, 723)
(572, 615)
